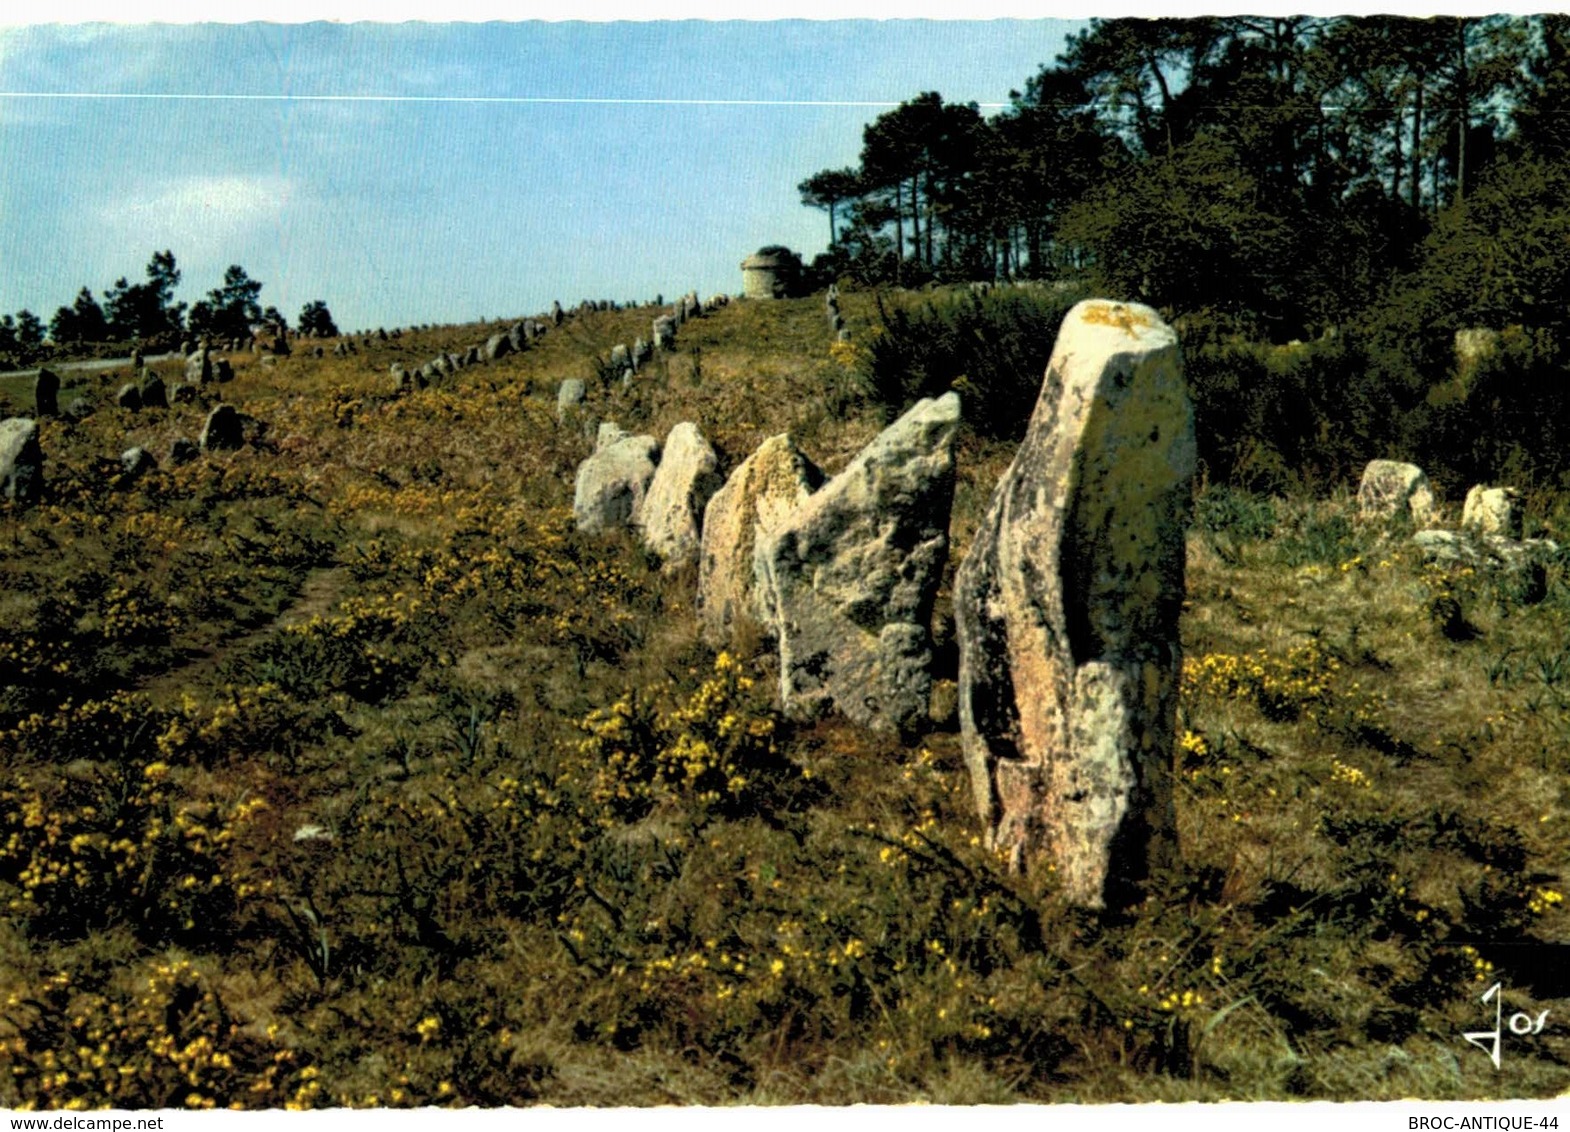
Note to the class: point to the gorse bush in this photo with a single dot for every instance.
(716, 749)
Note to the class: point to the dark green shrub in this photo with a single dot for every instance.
(993, 347)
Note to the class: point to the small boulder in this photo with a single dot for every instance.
(129, 397)
(497, 346)
(1493, 511)
(570, 397)
(135, 461)
(21, 461)
(182, 451)
(154, 395)
(223, 430)
(611, 483)
(1391, 489)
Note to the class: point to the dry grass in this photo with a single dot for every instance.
(381, 623)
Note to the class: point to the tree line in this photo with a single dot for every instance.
(147, 312)
(1287, 173)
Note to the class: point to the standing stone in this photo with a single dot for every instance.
(570, 397)
(1067, 608)
(46, 393)
(222, 430)
(620, 359)
(556, 313)
(154, 395)
(222, 370)
(1493, 511)
(21, 461)
(471, 356)
(611, 483)
(672, 511)
(1391, 488)
(664, 331)
(138, 360)
(640, 353)
(129, 397)
(199, 368)
(182, 451)
(497, 346)
(847, 582)
(755, 501)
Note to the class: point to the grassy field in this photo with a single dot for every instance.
(341, 770)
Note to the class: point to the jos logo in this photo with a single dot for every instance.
(1520, 1024)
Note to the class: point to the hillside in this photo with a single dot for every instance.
(342, 770)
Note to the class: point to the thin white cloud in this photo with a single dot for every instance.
(202, 213)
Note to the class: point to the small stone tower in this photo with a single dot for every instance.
(770, 273)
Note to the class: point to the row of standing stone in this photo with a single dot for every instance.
(1066, 606)
(22, 456)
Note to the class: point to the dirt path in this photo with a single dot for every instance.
(321, 590)
(87, 365)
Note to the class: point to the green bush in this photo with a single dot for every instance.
(993, 347)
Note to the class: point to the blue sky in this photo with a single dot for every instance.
(413, 211)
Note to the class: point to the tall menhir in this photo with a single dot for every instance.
(1067, 611)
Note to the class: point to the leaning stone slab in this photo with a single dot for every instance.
(611, 483)
(672, 511)
(1067, 606)
(21, 461)
(1391, 489)
(1493, 511)
(847, 583)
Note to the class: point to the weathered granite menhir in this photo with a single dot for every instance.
(1067, 609)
